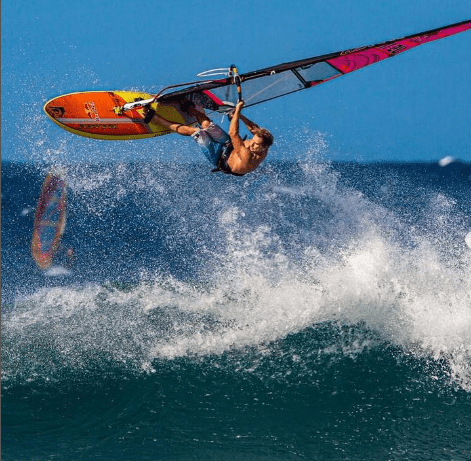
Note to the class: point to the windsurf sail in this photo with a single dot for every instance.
(49, 219)
(273, 82)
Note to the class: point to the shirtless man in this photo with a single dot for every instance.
(229, 153)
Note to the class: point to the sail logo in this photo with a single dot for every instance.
(91, 110)
(422, 38)
(393, 48)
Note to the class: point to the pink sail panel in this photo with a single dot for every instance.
(356, 59)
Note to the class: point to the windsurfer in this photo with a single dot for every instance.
(228, 152)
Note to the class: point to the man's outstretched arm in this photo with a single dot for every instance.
(252, 126)
(249, 124)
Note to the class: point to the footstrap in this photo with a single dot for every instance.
(150, 114)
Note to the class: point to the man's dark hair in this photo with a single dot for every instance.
(265, 135)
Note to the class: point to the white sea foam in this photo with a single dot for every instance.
(446, 160)
(468, 239)
(413, 291)
(57, 271)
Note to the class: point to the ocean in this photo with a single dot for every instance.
(310, 310)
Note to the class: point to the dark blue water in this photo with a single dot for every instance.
(306, 311)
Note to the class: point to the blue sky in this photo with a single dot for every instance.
(412, 107)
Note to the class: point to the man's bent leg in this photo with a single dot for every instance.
(217, 133)
(207, 145)
(201, 117)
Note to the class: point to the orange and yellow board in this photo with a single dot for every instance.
(93, 114)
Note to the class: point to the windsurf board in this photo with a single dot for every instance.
(94, 114)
